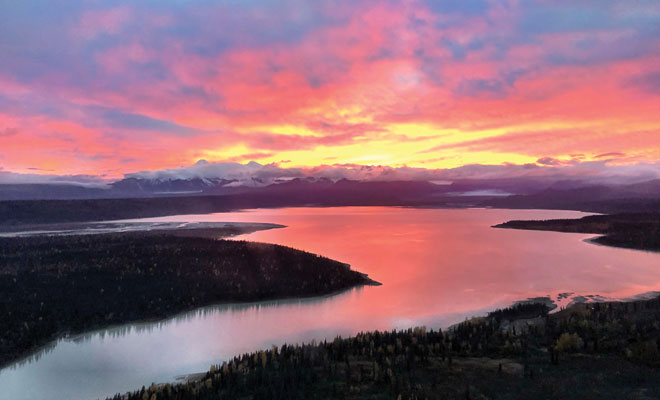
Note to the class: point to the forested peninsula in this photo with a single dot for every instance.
(56, 285)
(635, 230)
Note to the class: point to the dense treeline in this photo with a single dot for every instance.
(637, 231)
(26, 212)
(68, 284)
(598, 351)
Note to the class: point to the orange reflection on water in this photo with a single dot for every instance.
(436, 263)
(437, 267)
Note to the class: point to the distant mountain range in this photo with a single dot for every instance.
(507, 192)
(136, 197)
(139, 187)
(637, 197)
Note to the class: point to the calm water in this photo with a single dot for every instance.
(436, 266)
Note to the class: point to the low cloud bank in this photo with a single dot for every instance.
(254, 173)
(8, 177)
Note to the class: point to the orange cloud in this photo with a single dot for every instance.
(411, 83)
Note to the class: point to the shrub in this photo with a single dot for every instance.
(646, 351)
(569, 342)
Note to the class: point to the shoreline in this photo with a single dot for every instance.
(551, 303)
(73, 337)
(514, 322)
(81, 336)
(225, 229)
(131, 286)
(35, 216)
(594, 241)
(624, 231)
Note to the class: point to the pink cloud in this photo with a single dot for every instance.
(94, 23)
(377, 63)
(118, 60)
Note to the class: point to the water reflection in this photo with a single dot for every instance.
(437, 267)
(33, 357)
(236, 310)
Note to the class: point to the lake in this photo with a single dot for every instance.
(437, 266)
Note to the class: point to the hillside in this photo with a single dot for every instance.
(588, 351)
(638, 197)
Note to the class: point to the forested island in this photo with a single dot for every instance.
(587, 351)
(635, 230)
(56, 285)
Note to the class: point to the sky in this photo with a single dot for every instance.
(107, 88)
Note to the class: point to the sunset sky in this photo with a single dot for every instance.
(112, 87)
